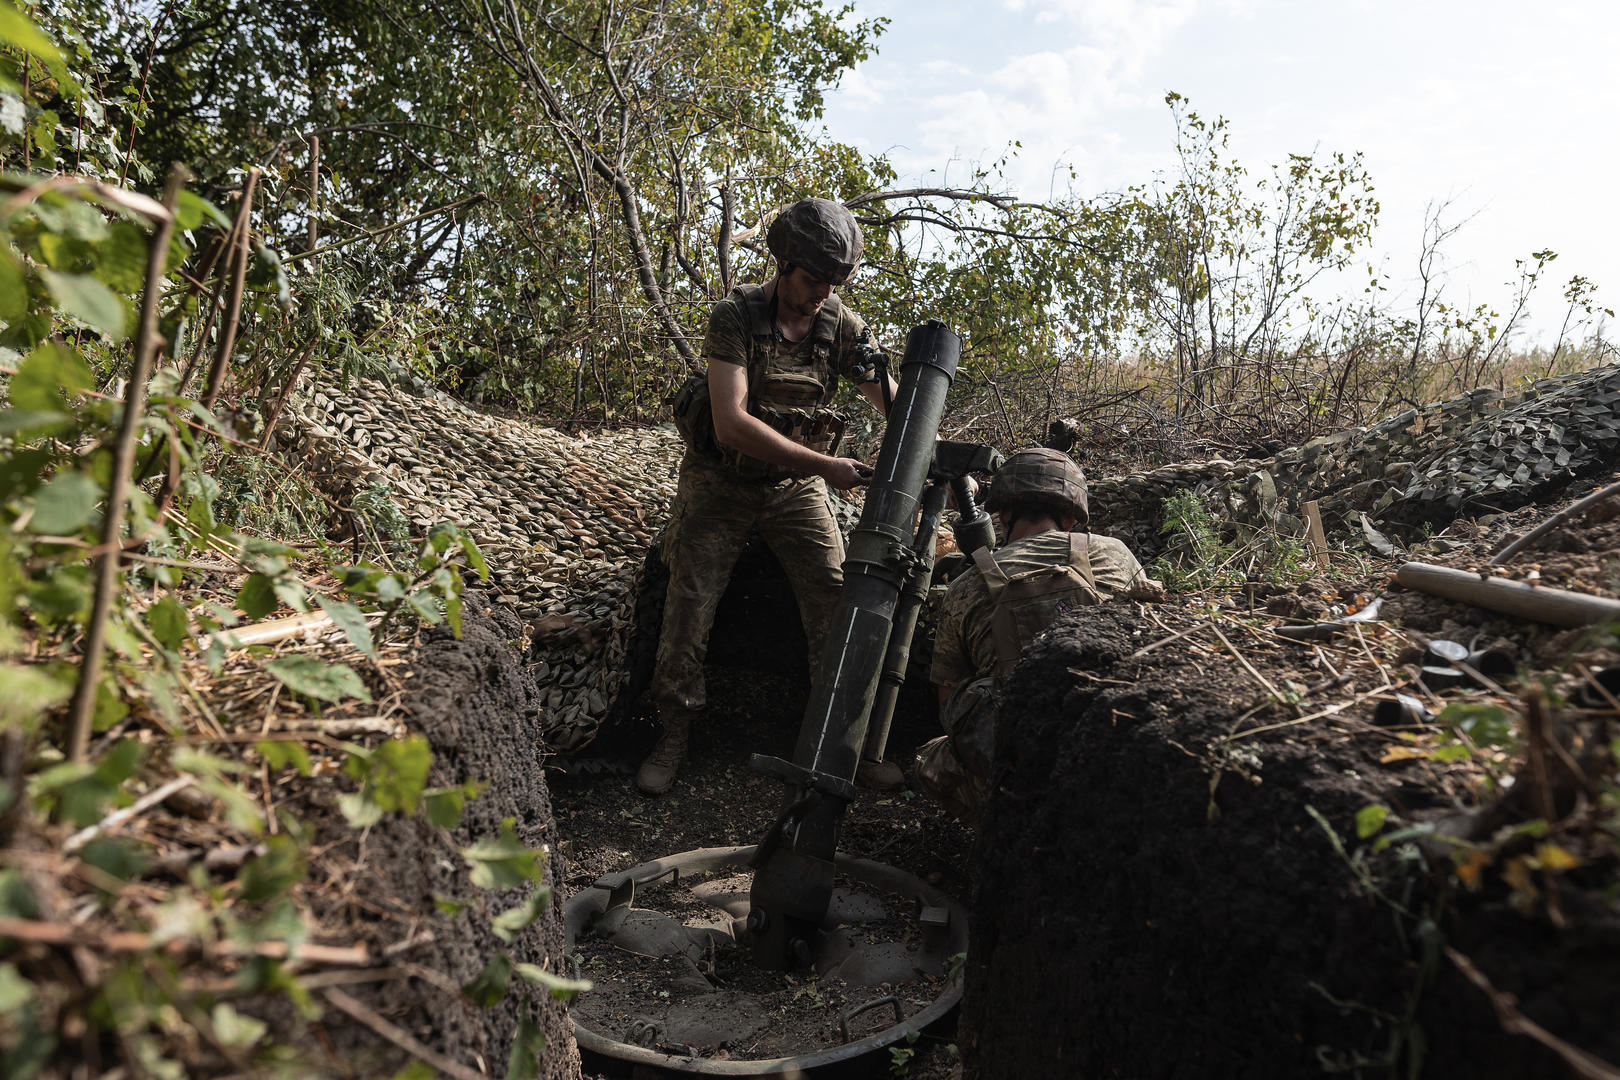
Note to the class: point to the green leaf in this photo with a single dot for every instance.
(445, 805)
(45, 374)
(169, 622)
(490, 985)
(1486, 725)
(15, 991)
(449, 906)
(192, 209)
(116, 857)
(527, 1046)
(89, 301)
(359, 809)
(258, 596)
(273, 873)
(394, 774)
(503, 862)
(513, 921)
(280, 755)
(13, 290)
(234, 1029)
(1369, 819)
(318, 679)
(27, 692)
(16, 29)
(65, 505)
(121, 259)
(417, 1070)
(560, 988)
(352, 621)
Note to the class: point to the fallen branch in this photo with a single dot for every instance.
(1539, 603)
(126, 941)
(1514, 1022)
(400, 1037)
(119, 817)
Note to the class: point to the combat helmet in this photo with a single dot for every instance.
(1043, 478)
(820, 236)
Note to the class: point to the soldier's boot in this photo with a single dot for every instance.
(880, 775)
(658, 771)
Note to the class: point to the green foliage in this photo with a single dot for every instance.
(392, 778)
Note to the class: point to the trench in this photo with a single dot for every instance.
(1120, 927)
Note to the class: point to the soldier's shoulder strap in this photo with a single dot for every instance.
(1080, 556)
(751, 297)
(995, 578)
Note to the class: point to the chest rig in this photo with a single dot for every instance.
(790, 390)
(1025, 604)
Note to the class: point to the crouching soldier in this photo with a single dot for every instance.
(999, 605)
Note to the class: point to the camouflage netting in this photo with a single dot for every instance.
(566, 520)
(1476, 453)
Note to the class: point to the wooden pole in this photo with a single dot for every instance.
(1539, 603)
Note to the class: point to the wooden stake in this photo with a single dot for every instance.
(1319, 546)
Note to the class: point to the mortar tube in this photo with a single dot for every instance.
(912, 596)
(792, 885)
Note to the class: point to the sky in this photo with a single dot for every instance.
(1509, 111)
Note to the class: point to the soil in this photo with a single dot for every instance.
(478, 707)
(718, 1004)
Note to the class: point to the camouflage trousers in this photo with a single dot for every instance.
(955, 768)
(713, 515)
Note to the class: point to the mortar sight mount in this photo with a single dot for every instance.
(864, 658)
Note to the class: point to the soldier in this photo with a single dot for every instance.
(1004, 601)
(761, 451)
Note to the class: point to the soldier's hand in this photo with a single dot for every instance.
(844, 473)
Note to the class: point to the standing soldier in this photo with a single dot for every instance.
(1001, 603)
(761, 451)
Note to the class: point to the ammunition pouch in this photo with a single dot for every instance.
(694, 418)
(821, 431)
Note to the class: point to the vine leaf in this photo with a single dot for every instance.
(318, 679)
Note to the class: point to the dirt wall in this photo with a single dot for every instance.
(480, 709)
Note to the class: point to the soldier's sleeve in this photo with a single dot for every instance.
(953, 631)
(1119, 573)
(726, 339)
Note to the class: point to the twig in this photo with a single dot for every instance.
(400, 1037)
(1552, 523)
(233, 299)
(1514, 1022)
(359, 725)
(128, 813)
(373, 234)
(1250, 668)
(1177, 636)
(82, 711)
(56, 933)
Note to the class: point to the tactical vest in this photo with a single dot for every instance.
(791, 398)
(1027, 603)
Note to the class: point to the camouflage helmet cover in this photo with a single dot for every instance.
(1040, 477)
(820, 236)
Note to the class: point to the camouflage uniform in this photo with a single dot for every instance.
(955, 767)
(718, 504)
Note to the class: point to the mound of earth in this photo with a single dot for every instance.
(1204, 857)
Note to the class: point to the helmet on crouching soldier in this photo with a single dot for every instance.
(819, 235)
(1038, 479)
